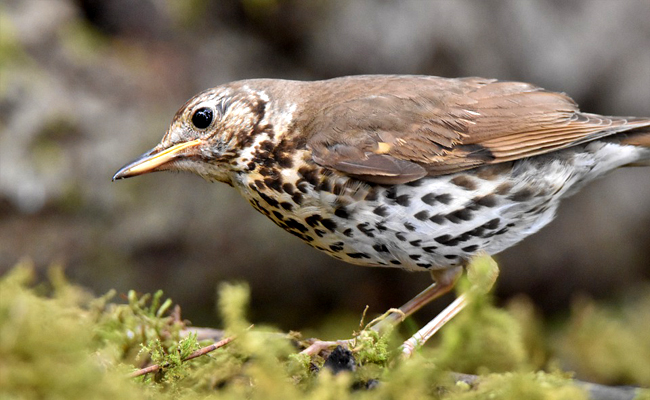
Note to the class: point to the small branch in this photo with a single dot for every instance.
(198, 353)
(212, 347)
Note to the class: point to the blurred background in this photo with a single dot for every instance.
(87, 85)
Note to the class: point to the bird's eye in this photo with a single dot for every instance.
(202, 118)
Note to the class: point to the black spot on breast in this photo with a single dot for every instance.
(417, 183)
(357, 255)
(305, 238)
(336, 247)
(503, 188)
(278, 215)
(260, 185)
(380, 248)
(256, 204)
(282, 153)
(348, 232)
(451, 257)
(400, 236)
(423, 265)
(269, 172)
(464, 181)
(396, 262)
(415, 257)
(409, 226)
(422, 215)
(438, 219)
(319, 232)
(391, 193)
(382, 211)
(489, 200)
(444, 198)
(365, 229)
(460, 215)
(266, 145)
(429, 249)
(403, 200)
(297, 198)
(270, 201)
(464, 237)
(341, 212)
(329, 224)
(478, 231)
(293, 224)
(286, 205)
(288, 188)
(313, 220)
(447, 240)
(429, 199)
(492, 224)
(284, 160)
(522, 195)
(309, 175)
(443, 239)
(337, 189)
(303, 187)
(470, 249)
(324, 186)
(415, 243)
(380, 227)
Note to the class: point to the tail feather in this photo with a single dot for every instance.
(640, 138)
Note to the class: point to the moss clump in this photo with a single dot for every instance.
(57, 341)
(610, 344)
(482, 338)
(47, 346)
(524, 385)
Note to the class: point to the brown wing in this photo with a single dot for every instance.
(395, 129)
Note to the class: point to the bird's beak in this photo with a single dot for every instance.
(154, 159)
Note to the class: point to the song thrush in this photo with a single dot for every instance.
(414, 172)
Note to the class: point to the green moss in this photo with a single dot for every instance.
(517, 386)
(610, 344)
(47, 347)
(482, 338)
(57, 341)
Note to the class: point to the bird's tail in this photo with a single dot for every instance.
(640, 138)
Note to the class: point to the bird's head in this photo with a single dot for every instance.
(206, 135)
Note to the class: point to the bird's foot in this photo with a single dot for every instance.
(371, 333)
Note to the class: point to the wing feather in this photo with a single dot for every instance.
(395, 129)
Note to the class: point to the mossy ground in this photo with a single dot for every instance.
(58, 342)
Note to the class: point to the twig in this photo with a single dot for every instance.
(198, 353)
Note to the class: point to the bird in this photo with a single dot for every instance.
(420, 173)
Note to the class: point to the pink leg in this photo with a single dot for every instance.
(433, 326)
(444, 282)
(482, 272)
